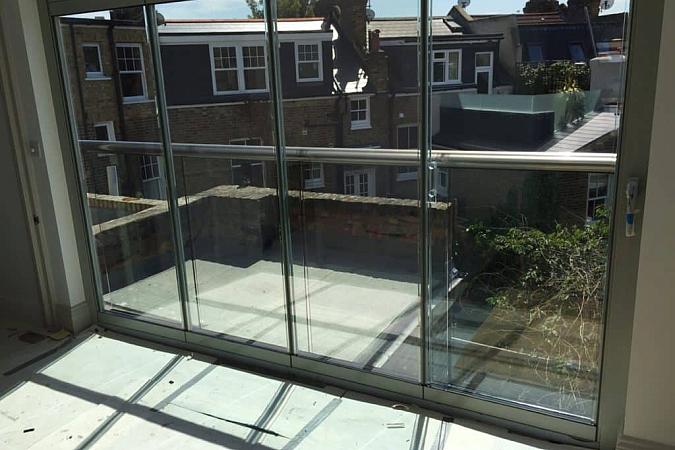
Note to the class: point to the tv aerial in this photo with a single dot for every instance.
(606, 4)
(464, 3)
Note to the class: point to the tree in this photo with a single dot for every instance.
(285, 8)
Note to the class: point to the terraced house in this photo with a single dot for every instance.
(343, 85)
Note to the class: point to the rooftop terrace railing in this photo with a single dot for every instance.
(503, 160)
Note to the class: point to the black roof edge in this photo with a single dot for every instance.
(104, 22)
(459, 37)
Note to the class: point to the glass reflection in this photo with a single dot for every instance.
(109, 68)
(521, 315)
(217, 89)
(518, 297)
(509, 316)
(354, 225)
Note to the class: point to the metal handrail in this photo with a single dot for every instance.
(540, 161)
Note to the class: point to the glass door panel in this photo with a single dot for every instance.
(217, 88)
(517, 307)
(355, 222)
(112, 96)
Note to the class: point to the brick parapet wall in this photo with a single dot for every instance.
(232, 225)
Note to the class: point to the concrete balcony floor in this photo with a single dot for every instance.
(358, 319)
(102, 390)
(366, 320)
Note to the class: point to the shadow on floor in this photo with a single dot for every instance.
(103, 390)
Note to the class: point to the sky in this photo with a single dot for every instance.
(205, 9)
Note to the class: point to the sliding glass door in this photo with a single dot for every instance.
(112, 94)
(216, 83)
(404, 197)
(354, 213)
(518, 300)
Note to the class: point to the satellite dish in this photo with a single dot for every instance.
(464, 3)
(606, 4)
(370, 14)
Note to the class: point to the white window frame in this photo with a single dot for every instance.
(360, 124)
(214, 70)
(110, 129)
(355, 173)
(312, 183)
(152, 162)
(133, 98)
(245, 142)
(406, 175)
(298, 62)
(112, 180)
(596, 198)
(485, 69)
(239, 51)
(446, 66)
(92, 75)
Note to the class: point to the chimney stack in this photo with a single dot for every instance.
(374, 41)
(575, 9)
(133, 15)
(352, 18)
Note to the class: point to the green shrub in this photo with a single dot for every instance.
(553, 282)
(537, 79)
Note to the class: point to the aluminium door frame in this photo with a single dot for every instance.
(635, 138)
(641, 73)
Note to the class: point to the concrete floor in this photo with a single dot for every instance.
(364, 321)
(106, 391)
(345, 316)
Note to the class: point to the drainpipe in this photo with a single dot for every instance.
(392, 141)
(127, 185)
(78, 79)
(339, 120)
(590, 31)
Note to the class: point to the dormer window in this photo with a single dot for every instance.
(238, 68)
(255, 75)
(308, 66)
(225, 69)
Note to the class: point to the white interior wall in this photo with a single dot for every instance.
(650, 408)
(46, 173)
(20, 298)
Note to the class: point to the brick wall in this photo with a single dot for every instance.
(235, 226)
